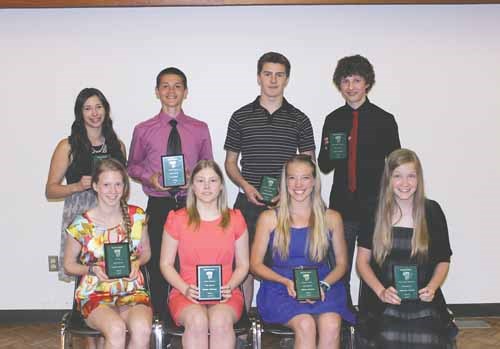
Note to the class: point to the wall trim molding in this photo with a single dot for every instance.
(31, 316)
(55, 315)
(157, 3)
(475, 309)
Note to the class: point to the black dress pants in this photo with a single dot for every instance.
(157, 210)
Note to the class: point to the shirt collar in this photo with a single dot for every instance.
(285, 105)
(165, 118)
(361, 108)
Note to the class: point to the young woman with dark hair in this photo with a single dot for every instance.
(92, 137)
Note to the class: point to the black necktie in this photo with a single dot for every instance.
(174, 145)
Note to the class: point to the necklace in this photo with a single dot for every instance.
(103, 148)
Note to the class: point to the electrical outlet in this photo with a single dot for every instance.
(53, 263)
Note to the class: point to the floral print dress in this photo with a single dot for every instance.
(114, 292)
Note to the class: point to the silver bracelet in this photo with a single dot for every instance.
(325, 285)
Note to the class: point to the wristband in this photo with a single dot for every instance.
(324, 285)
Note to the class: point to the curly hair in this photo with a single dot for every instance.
(354, 65)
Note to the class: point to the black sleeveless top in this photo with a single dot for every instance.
(83, 166)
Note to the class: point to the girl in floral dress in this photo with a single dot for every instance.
(111, 305)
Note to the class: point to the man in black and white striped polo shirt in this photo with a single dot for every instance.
(267, 132)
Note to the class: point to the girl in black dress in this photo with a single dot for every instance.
(409, 231)
(92, 137)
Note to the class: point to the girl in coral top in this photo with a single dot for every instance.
(205, 232)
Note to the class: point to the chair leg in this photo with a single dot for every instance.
(157, 334)
(65, 336)
(253, 334)
(62, 334)
(352, 337)
(259, 335)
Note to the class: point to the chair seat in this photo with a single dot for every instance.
(277, 329)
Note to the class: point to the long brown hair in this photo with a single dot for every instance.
(388, 206)
(193, 214)
(318, 236)
(81, 148)
(114, 165)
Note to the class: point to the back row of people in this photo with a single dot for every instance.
(356, 139)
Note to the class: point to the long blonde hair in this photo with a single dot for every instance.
(318, 237)
(388, 206)
(192, 210)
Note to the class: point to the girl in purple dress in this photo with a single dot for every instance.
(299, 233)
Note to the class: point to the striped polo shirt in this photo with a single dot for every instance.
(266, 140)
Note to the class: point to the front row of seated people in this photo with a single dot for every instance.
(407, 229)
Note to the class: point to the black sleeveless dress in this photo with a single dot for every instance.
(413, 324)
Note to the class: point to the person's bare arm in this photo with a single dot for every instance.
(54, 189)
(336, 227)
(169, 247)
(233, 171)
(265, 225)
(145, 253)
(427, 293)
(242, 265)
(386, 295)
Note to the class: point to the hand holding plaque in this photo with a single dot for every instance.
(406, 281)
(173, 170)
(338, 145)
(209, 282)
(306, 284)
(268, 189)
(117, 259)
